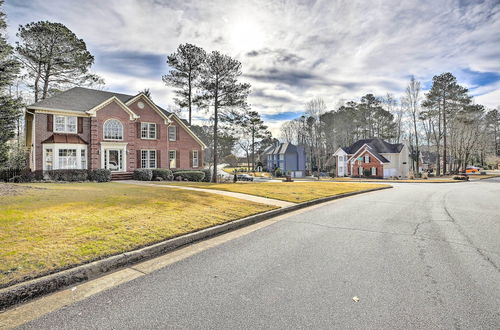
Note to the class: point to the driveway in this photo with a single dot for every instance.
(417, 256)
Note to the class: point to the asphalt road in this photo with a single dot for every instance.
(418, 256)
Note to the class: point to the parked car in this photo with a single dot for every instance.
(472, 169)
(244, 177)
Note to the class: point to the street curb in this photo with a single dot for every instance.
(25, 291)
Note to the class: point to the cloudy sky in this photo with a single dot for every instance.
(291, 51)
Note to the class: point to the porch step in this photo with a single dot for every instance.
(121, 176)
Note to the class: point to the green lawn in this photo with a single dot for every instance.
(295, 192)
(61, 225)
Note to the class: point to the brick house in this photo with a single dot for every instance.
(373, 158)
(84, 128)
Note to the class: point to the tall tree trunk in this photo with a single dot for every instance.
(444, 136)
(189, 97)
(253, 149)
(216, 122)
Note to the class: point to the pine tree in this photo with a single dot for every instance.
(54, 57)
(220, 88)
(185, 64)
(9, 106)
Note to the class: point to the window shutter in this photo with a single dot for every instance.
(80, 125)
(50, 123)
(138, 125)
(176, 132)
(158, 159)
(158, 130)
(191, 159)
(138, 165)
(177, 159)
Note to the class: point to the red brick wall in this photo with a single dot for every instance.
(93, 133)
(41, 134)
(374, 162)
(185, 144)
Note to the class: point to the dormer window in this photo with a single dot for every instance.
(65, 124)
(113, 130)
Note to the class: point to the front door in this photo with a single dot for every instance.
(113, 159)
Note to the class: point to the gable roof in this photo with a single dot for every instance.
(377, 145)
(282, 148)
(78, 99)
(371, 150)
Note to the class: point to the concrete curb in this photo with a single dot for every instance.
(25, 291)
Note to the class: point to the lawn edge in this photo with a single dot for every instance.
(25, 291)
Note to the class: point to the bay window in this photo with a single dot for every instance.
(64, 156)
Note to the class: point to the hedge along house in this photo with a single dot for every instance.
(373, 158)
(84, 128)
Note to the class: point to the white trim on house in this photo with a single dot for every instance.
(55, 147)
(59, 111)
(148, 160)
(93, 112)
(151, 104)
(104, 130)
(108, 145)
(65, 130)
(170, 160)
(197, 158)
(366, 149)
(149, 130)
(197, 139)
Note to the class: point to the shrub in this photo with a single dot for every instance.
(460, 177)
(190, 175)
(431, 175)
(278, 173)
(143, 174)
(208, 175)
(100, 175)
(67, 175)
(8, 173)
(332, 174)
(163, 173)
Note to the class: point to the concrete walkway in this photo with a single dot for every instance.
(247, 197)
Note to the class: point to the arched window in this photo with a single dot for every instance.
(113, 130)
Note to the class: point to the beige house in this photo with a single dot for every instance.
(373, 158)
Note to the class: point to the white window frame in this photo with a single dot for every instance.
(148, 131)
(172, 130)
(147, 161)
(104, 130)
(195, 152)
(360, 171)
(66, 124)
(367, 159)
(170, 159)
(81, 152)
(374, 170)
(114, 145)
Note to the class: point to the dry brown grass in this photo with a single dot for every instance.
(43, 230)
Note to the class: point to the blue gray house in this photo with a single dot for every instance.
(288, 157)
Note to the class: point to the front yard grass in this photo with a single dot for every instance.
(295, 192)
(56, 226)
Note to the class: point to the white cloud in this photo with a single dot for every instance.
(292, 51)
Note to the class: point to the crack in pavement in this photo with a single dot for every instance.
(396, 234)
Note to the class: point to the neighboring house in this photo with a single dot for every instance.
(287, 157)
(374, 158)
(89, 129)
